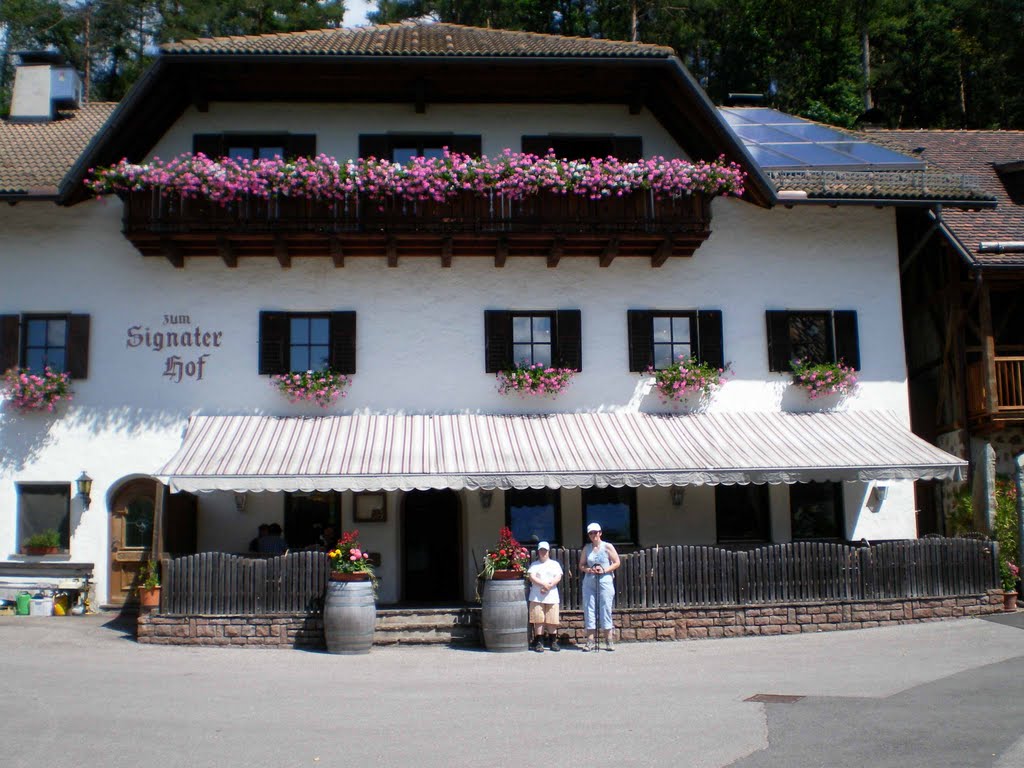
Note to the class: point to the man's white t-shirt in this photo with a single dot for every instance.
(545, 572)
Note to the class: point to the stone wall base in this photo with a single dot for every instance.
(633, 625)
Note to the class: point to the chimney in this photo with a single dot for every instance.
(43, 83)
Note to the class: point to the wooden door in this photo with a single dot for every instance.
(131, 538)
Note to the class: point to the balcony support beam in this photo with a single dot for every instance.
(446, 252)
(227, 252)
(392, 252)
(610, 252)
(663, 252)
(501, 255)
(336, 251)
(988, 350)
(172, 252)
(556, 252)
(281, 252)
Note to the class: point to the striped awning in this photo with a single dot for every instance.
(565, 450)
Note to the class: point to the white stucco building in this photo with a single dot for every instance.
(173, 391)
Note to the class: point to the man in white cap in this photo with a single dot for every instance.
(544, 574)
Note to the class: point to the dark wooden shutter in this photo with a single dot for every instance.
(301, 145)
(77, 359)
(628, 148)
(568, 339)
(375, 145)
(210, 144)
(497, 340)
(778, 340)
(641, 339)
(343, 342)
(710, 348)
(274, 341)
(10, 325)
(537, 145)
(847, 343)
(467, 145)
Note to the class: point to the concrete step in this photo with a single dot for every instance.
(427, 626)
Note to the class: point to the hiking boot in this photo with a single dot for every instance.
(538, 645)
(554, 645)
(589, 646)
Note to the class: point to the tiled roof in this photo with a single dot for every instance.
(973, 152)
(34, 157)
(417, 38)
(880, 185)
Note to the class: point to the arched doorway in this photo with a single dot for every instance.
(432, 547)
(131, 537)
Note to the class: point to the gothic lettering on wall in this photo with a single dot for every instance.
(188, 346)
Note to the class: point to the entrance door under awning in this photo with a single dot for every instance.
(431, 557)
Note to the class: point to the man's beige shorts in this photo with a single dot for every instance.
(543, 613)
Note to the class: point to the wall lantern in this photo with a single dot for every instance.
(241, 499)
(486, 497)
(84, 487)
(676, 494)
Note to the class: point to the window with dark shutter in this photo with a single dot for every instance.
(77, 359)
(625, 148)
(307, 341)
(400, 147)
(532, 338)
(659, 338)
(818, 336)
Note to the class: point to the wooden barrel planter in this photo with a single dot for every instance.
(350, 613)
(505, 614)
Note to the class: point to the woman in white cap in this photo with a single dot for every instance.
(598, 560)
(544, 574)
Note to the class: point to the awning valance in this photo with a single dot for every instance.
(567, 450)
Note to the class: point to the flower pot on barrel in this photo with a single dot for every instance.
(504, 615)
(350, 607)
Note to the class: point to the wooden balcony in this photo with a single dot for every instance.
(552, 226)
(996, 400)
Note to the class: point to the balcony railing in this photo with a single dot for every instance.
(1007, 390)
(549, 225)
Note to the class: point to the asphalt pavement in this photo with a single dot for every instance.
(78, 691)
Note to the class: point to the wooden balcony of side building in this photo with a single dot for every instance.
(995, 391)
(550, 226)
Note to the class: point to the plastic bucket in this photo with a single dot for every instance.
(22, 603)
(60, 604)
(40, 606)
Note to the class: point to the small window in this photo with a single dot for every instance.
(546, 338)
(60, 341)
(816, 511)
(659, 337)
(584, 147)
(533, 515)
(46, 341)
(292, 342)
(402, 147)
(615, 510)
(817, 336)
(42, 508)
(742, 513)
(308, 515)
(532, 340)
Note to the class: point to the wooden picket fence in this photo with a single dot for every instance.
(215, 583)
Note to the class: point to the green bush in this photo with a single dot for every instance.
(1005, 528)
(47, 538)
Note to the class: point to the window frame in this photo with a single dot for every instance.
(841, 326)
(838, 507)
(693, 343)
(216, 145)
(14, 341)
(566, 332)
(26, 321)
(706, 336)
(383, 145)
(625, 148)
(555, 496)
(275, 340)
(764, 526)
(64, 528)
(550, 344)
(632, 502)
(308, 345)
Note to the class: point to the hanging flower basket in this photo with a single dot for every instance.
(320, 387)
(823, 379)
(686, 376)
(29, 391)
(535, 380)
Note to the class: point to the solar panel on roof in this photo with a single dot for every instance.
(780, 141)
